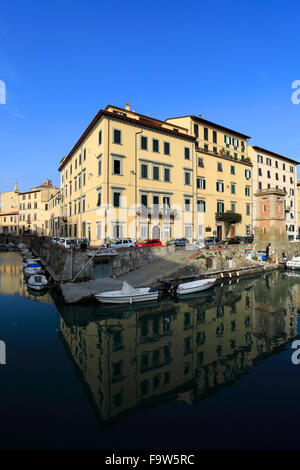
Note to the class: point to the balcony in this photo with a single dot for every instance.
(229, 217)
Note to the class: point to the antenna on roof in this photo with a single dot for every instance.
(199, 114)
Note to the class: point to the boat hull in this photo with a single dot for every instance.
(181, 290)
(127, 299)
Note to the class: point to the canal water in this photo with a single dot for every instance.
(213, 371)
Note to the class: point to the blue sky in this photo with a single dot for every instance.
(232, 61)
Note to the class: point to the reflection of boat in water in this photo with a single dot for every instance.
(195, 286)
(37, 293)
(128, 295)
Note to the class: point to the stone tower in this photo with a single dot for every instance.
(270, 217)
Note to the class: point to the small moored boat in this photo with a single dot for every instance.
(195, 286)
(128, 295)
(38, 282)
(33, 268)
(294, 263)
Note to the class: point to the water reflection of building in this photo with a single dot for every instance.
(185, 349)
(12, 280)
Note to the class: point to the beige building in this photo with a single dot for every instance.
(9, 223)
(34, 208)
(223, 178)
(272, 170)
(132, 175)
(9, 200)
(129, 175)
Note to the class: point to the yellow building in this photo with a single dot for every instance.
(223, 178)
(298, 207)
(272, 170)
(9, 223)
(130, 175)
(9, 200)
(34, 207)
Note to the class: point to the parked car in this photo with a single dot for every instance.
(211, 241)
(54, 240)
(69, 242)
(60, 241)
(82, 242)
(177, 242)
(149, 242)
(232, 241)
(122, 243)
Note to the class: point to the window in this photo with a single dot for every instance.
(220, 168)
(76, 164)
(215, 137)
(227, 140)
(248, 209)
(242, 146)
(220, 186)
(155, 173)
(200, 162)
(100, 137)
(201, 183)
(291, 181)
(232, 188)
(117, 166)
(247, 174)
(144, 142)
(196, 130)
(268, 161)
(186, 153)
(116, 199)
(291, 169)
(83, 229)
(167, 174)
(79, 162)
(220, 206)
(117, 135)
(259, 172)
(187, 231)
(75, 184)
(99, 196)
(283, 178)
(232, 169)
(187, 178)
(166, 201)
(200, 205)
(144, 200)
(166, 148)
(205, 133)
(268, 174)
(187, 205)
(144, 170)
(70, 189)
(155, 145)
(232, 207)
(235, 143)
(260, 159)
(276, 163)
(247, 191)
(259, 185)
(83, 178)
(99, 166)
(79, 181)
(283, 166)
(155, 200)
(206, 146)
(75, 207)
(84, 154)
(276, 176)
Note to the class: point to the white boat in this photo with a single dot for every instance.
(38, 282)
(32, 269)
(195, 286)
(128, 295)
(294, 263)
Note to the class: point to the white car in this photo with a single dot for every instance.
(123, 243)
(69, 242)
(54, 240)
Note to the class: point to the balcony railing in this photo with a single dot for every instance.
(229, 217)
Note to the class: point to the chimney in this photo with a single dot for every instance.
(127, 106)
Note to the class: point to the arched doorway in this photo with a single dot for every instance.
(156, 232)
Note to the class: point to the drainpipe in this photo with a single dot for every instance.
(135, 184)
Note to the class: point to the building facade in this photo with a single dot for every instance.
(223, 178)
(274, 171)
(128, 176)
